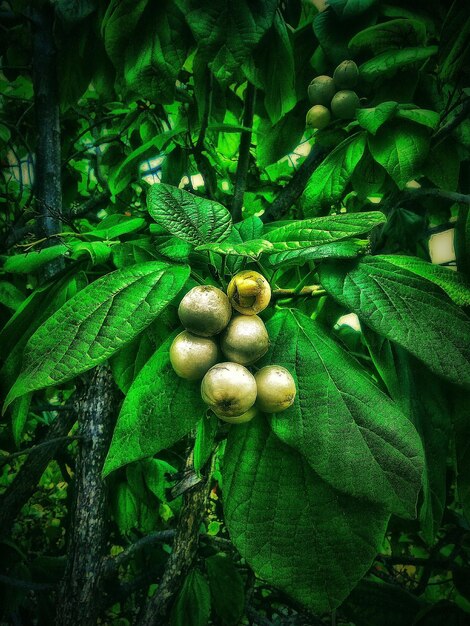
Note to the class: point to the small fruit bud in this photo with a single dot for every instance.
(346, 75)
(192, 356)
(245, 340)
(318, 117)
(321, 90)
(344, 104)
(276, 389)
(205, 311)
(249, 292)
(229, 389)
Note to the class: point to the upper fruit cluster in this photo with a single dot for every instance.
(333, 95)
(229, 388)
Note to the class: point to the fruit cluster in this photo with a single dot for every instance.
(333, 95)
(229, 388)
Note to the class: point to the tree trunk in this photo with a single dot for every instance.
(79, 594)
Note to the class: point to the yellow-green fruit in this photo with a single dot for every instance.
(249, 292)
(205, 310)
(318, 117)
(245, 339)
(346, 75)
(321, 90)
(276, 389)
(344, 104)
(229, 389)
(192, 356)
(241, 419)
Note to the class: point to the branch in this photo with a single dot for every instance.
(184, 551)
(244, 153)
(312, 291)
(44, 444)
(434, 192)
(112, 564)
(78, 599)
(294, 189)
(446, 130)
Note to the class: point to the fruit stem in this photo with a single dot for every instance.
(313, 291)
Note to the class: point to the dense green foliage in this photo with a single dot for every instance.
(185, 159)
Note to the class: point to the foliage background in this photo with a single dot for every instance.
(147, 147)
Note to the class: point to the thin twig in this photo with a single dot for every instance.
(51, 442)
(244, 153)
(310, 291)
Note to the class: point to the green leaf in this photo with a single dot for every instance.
(19, 417)
(251, 249)
(406, 309)
(454, 44)
(125, 507)
(275, 141)
(113, 226)
(462, 240)
(442, 167)
(227, 589)
(320, 230)
(157, 476)
(461, 423)
(248, 229)
(32, 261)
(424, 400)
(425, 117)
(205, 437)
(193, 604)
(225, 36)
(369, 177)
(96, 323)
(98, 251)
(159, 409)
(10, 296)
(328, 182)
(373, 119)
(456, 286)
(399, 33)
(118, 27)
(314, 543)
(388, 63)
(346, 9)
(400, 147)
(72, 11)
(189, 217)
(340, 416)
(300, 252)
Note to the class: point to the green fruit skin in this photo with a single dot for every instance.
(344, 104)
(318, 117)
(321, 90)
(240, 419)
(192, 356)
(245, 340)
(205, 311)
(346, 75)
(275, 389)
(229, 389)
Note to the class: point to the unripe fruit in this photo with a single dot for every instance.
(192, 356)
(276, 389)
(344, 104)
(249, 292)
(318, 117)
(205, 310)
(321, 90)
(245, 339)
(241, 419)
(229, 389)
(346, 75)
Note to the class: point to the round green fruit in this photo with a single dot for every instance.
(241, 419)
(346, 75)
(321, 90)
(318, 117)
(344, 104)
(249, 292)
(229, 389)
(245, 340)
(275, 387)
(205, 310)
(192, 356)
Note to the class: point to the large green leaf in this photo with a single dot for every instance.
(118, 27)
(227, 589)
(189, 217)
(295, 530)
(246, 230)
(347, 9)
(300, 252)
(406, 309)
(275, 141)
(388, 63)
(340, 416)
(456, 286)
(461, 424)
(34, 260)
(372, 119)
(96, 323)
(399, 33)
(320, 230)
(454, 44)
(425, 117)
(328, 182)
(462, 240)
(193, 604)
(423, 398)
(400, 147)
(159, 409)
(442, 167)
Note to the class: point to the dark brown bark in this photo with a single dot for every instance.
(25, 483)
(244, 154)
(79, 594)
(293, 190)
(184, 551)
(47, 183)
